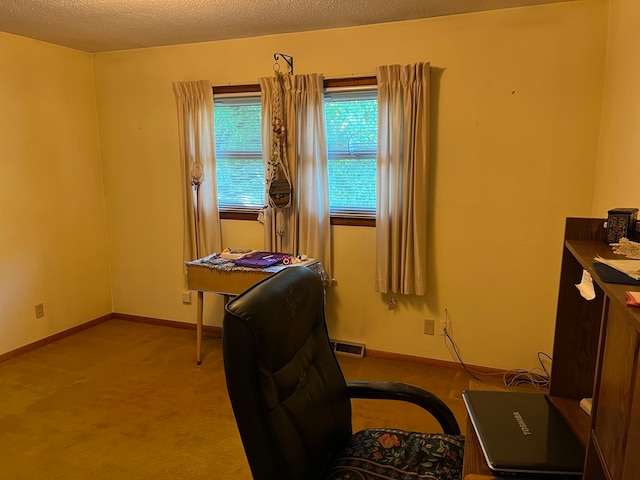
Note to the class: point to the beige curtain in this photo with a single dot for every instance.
(202, 234)
(303, 227)
(403, 167)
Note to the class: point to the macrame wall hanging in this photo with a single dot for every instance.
(278, 178)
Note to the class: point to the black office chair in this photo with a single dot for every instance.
(292, 404)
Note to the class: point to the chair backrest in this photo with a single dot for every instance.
(285, 385)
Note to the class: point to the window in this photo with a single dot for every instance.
(351, 118)
(239, 165)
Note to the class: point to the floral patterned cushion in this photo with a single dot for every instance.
(398, 455)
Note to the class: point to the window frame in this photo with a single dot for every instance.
(335, 83)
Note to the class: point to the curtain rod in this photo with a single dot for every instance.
(328, 83)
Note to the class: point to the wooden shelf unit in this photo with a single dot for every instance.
(596, 354)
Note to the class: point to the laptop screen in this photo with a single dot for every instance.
(523, 433)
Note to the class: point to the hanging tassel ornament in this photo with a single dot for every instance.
(197, 174)
(278, 127)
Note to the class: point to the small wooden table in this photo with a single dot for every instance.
(203, 276)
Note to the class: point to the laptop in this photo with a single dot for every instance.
(523, 434)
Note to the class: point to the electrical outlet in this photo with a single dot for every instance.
(429, 327)
(39, 310)
(186, 297)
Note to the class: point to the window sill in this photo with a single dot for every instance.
(335, 220)
(239, 214)
(353, 221)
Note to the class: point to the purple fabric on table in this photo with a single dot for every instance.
(260, 259)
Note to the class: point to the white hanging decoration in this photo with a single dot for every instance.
(197, 173)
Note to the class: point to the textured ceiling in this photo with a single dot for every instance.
(104, 25)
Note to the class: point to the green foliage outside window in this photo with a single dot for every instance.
(352, 131)
(239, 165)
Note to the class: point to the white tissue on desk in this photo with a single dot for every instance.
(585, 287)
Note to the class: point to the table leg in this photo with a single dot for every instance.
(199, 312)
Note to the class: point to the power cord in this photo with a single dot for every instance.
(452, 347)
(538, 377)
(515, 378)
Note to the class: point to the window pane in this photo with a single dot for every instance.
(352, 131)
(239, 165)
(352, 185)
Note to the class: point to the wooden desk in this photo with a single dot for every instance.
(596, 354)
(203, 277)
(473, 458)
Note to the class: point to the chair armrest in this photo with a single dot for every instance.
(406, 393)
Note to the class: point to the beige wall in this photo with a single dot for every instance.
(618, 180)
(516, 120)
(53, 236)
(516, 124)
